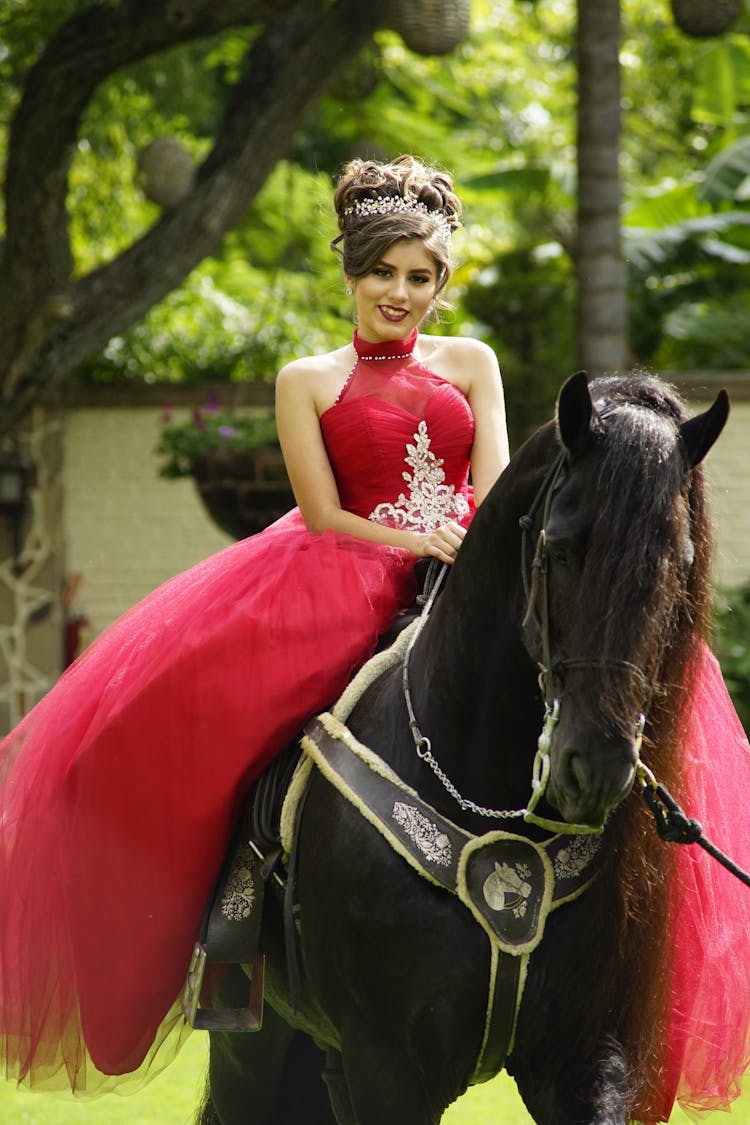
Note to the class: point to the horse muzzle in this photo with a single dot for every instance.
(590, 772)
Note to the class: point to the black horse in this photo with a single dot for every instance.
(589, 560)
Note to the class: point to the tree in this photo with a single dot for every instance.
(50, 320)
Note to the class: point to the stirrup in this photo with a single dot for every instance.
(222, 1019)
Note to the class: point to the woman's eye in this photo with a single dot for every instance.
(419, 280)
(382, 273)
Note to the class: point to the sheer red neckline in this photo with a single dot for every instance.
(388, 349)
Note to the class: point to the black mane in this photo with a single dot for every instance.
(649, 537)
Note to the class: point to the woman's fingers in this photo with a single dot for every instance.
(444, 542)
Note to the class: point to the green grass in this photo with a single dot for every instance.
(171, 1100)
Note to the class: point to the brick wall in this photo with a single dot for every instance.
(127, 530)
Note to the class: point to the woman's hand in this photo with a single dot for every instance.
(443, 543)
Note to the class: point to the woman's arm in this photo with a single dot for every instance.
(490, 452)
(313, 482)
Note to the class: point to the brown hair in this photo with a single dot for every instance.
(365, 238)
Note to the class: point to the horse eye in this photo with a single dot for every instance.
(558, 553)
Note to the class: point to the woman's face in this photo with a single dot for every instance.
(396, 295)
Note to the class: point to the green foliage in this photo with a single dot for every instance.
(727, 176)
(733, 650)
(499, 113)
(236, 321)
(689, 300)
(210, 428)
(526, 299)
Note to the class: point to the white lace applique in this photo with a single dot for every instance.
(430, 502)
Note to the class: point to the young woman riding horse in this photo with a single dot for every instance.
(121, 789)
(398, 973)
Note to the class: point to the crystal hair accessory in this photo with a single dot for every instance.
(395, 204)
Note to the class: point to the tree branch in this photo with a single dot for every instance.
(84, 51)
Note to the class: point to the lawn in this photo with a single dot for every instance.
(171, 1100)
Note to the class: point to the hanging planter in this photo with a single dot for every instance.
(432, 27)
(243, 490)
(236, 463)
(705, 18)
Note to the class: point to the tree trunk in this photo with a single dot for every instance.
(600, 267)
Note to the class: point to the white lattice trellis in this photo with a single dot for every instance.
(20, 577)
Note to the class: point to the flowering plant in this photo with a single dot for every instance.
(209, 429)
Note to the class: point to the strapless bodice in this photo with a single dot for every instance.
(399, 439)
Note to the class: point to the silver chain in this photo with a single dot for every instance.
(467, 805)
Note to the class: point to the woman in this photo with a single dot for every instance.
(119, 790)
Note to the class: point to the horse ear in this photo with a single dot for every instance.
(577, 419)
(699, 433)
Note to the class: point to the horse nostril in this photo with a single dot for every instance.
(574, 775)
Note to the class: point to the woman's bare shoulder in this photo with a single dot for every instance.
(316, 379)
(463, 347)
(462, 360)
(325, 365)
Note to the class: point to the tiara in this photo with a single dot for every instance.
(394, 204)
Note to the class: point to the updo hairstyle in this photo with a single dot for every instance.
(430, 211)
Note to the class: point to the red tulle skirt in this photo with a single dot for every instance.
(708, 1047)
(119, 791)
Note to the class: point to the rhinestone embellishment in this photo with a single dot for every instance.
(430, 502)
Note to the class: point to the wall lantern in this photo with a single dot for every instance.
(16, 477)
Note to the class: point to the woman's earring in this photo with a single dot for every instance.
(349, 290)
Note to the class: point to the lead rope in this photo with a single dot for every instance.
(674, 825)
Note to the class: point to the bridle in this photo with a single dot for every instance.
(535, 578)
(536, 588)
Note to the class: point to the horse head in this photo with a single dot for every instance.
(612, 583)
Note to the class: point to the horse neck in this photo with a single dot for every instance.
(472, 682)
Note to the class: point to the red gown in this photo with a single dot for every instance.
(118, 792)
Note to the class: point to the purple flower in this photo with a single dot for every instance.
(198, 419)
(227, 431)
(212, 403)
